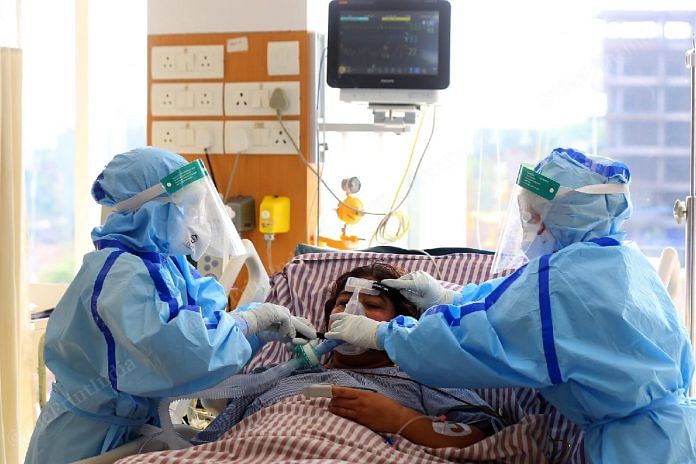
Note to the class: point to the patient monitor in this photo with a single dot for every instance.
(392, 54)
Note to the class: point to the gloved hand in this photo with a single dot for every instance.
(422, 289)
(304, 329)
(356, 330)
(268, 317)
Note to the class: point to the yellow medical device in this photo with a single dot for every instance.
(349, 211)
(274, 215)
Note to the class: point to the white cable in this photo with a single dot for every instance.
(321, 142)
(352, 208)
(478, 193)
(231, 178)
(269, 255)
(497, 166)
(413, 419)
(432, 260)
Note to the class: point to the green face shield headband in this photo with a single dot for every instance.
(524, 235)
(205, 226)
(172, 183)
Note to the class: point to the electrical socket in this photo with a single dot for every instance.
(188, 62)
(251, 98)
(189, 99)
(265, 137)
(189, 137)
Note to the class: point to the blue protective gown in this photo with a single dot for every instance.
(114, 353)
(591, 327)
(136, 324)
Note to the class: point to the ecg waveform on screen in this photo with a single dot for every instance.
(388, 43)
(386, 51)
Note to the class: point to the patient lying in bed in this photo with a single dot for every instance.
(376, 414)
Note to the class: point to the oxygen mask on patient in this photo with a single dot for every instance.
(354, 306)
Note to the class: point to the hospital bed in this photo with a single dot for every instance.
(303, 286)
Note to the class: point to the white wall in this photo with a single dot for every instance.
(209, 16)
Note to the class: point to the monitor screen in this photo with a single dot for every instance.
(388, 44)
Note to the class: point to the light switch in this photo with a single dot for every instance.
(259, 98)
(186, 137)
(236, 140)
(184, 62)
(184, 99)
(283, 58)
(203, 139)
(261, 136)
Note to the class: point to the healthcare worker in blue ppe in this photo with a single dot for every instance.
(584, 318)
(138, 322)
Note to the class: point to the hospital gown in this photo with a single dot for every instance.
(388, 381)
(161, 330)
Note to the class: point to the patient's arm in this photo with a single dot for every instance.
(382, 414)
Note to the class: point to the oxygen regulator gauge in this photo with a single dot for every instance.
(351, 185)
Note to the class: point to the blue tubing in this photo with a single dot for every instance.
(255, 384)
(327, 345)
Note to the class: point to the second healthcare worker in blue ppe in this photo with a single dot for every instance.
(584, 318)
(138, 322)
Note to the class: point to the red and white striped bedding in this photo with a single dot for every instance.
(304, 283)
(302, 430)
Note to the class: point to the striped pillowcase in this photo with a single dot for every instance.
(304, 284)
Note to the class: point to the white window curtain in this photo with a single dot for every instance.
(16, 412)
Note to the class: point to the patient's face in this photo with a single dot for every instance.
(377, 307)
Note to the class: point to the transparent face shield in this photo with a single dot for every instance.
(206, 226)
(524, 235)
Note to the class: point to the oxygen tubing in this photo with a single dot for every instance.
(241, 385)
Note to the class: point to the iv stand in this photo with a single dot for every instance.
(684, 209)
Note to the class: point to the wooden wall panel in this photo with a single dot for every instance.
(259, 175)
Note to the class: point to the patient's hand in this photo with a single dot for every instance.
(382, 414)
(375, 411)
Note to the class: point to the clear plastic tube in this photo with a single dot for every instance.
(241, 385)
(256, 383)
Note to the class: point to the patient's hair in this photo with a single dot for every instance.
(378, 272)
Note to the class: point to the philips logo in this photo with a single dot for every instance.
(387, 81)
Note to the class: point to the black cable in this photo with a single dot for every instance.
(210, 168)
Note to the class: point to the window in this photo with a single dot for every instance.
(574, 75)
(677, 134)
(61, 139)
(640, 99)
(8, 25)
(678, 99)
(640, 133)
(49, 136)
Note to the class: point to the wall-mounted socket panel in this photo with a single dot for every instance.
(186, 99)
(264, 137)
(189, 137)
(252, 98)
(188, 62)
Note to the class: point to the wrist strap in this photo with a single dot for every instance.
(413, 419)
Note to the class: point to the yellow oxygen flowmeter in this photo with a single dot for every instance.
(274, 215)
(349, 211)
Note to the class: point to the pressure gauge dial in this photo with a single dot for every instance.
(350, 185)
